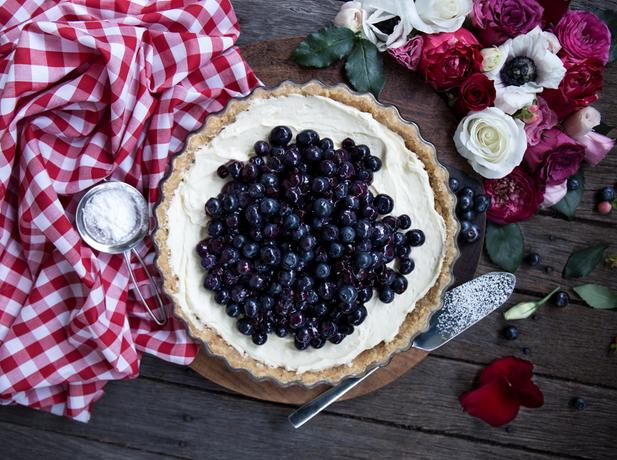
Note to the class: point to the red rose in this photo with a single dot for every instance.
(514, 198)
(449, 58)
(555, 158)
(476, 94)
(504, 386)
(578, 89)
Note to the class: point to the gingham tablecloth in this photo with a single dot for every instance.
(92, 90)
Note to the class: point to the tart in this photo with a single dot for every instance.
(409, 173)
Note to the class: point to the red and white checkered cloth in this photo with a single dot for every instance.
(92, 90)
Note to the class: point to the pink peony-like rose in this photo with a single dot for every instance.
(449, 58)
(498, 20)
(410, 53)
(579, 88)
(514, 198)
(596, 146)
(583, 36)
(544, 119)
(555, 158)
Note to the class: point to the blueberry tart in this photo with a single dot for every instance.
(306, 233)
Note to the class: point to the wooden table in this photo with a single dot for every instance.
(171, 412)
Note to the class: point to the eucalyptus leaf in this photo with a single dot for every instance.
(597, 296)
(610, 18)
(526, 309)
(324, 47)
(364, 68)
(583, 261)
(568, 204)
(505, 245)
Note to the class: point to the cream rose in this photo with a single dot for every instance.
(493, 59)
(494, 143)
(350, 16)
(434, 16)
(579, 124)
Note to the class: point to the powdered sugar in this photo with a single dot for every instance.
(111, 216)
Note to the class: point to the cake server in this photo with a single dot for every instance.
(463, 307)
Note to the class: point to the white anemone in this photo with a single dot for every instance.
(541, 47)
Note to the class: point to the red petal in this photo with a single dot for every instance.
(514, 369)
(529, 394)
(493, 402)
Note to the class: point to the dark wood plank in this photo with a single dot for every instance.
(188, 423)
(26, 443)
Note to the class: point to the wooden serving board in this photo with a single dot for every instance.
(417, 102)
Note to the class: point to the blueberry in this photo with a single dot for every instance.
(578, 403)
(281, 331)
(328, 168)
(341, 190)
(534, 259)
(286, 277)
(399, 284)
(481, 203)
(346, 170)
(454, 184)
(386, 295)
(212, 282)
(250, 250)
(233, 310)
(322, 270)
(326, 144)
(606, 194)
(320, 185)
(289, 261)
(349, 202)
(347, 217)
(364, 175)
(252, 215)
(266, 302)
(280, 135)
(370, 212)
(307, 137)
(365, 294)
(415, 237)
(363, 229)
(238, 294)
(373, 163)
(467, 191)
(261, 148)
(471, 234)
(468, 216)
(257, 281)
(358, 316)
(275, 289)
(296, 320)
(301, 345)
(269, 179)
(464, 203)
(561, 299)
(347, 294)
(326, 290)
(304, 283)
(346, 328)
(269, 206)
(222, 297)
(402, 251)
(249, 172)
(383, 203)
(406, 266)
(229, 256)
(318, 342)
(337, 338)
(250, 308)
(313, 153)
(214, 207)
(573, 183)
(234, 168)
(271, 231)
(245, 326)
(379, 234)
(256, 190)
(330, 232)
(322, 207)
(308, 242)
(259, 338)
(208, 261)
(222, 171)
(291, 222)
(510, 332)
(348, 234)
(403, 222)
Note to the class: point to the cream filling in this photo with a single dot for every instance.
(402, 176)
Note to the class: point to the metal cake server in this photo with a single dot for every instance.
(463, 307)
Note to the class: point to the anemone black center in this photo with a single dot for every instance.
(518, 71)
(387, 26)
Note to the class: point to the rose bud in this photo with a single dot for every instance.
(350, 16)
(579, 124)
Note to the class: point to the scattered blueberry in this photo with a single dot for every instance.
(510, 332)
(534, 259)
(606, 194)
(561, 299)
(455, 184)
(573, 183)
(578, 403)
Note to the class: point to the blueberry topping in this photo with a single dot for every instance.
(415, 237)
(280, 135)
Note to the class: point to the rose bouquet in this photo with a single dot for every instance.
(521, 74)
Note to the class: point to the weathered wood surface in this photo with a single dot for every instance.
(171, 412)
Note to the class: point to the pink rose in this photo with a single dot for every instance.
(597, 147)
(583, 36)
(554, 194)
(514, 198)
(499, 20)
(449, 58)
(555, 158)
(544, 119)
(581, 123)
(410, 53)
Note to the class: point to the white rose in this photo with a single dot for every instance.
(379, 11)
(434, 16)
(494, 143)
(350, 16)
(579, 124)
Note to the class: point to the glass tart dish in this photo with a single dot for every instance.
(370, 208)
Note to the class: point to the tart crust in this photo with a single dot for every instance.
(415, 322)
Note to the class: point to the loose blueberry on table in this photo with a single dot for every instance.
(469, 206)
(298, 243)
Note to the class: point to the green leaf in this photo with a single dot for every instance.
(568, 204)
(364, 68)
(603, 128)
(582, 262)
(610, 18)
(526, 309)
(504, 245)
(597, 296)
(324, 47)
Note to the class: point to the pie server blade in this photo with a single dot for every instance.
(463, 307)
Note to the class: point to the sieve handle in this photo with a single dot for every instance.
(159, 301)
